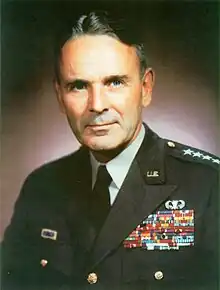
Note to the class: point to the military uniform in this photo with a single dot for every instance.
(161, 232)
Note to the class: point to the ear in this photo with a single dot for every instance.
(147, 86)
(59, 96)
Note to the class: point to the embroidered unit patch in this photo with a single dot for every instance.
(164, 230)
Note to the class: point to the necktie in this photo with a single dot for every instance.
(100, 199)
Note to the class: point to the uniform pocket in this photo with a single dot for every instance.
(157, 265)
(57, 255)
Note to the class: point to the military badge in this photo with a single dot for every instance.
(48, 234)
(164, 230)
(175, 204)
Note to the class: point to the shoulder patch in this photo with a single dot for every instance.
(192, 154)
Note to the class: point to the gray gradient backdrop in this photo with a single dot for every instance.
(182, 46)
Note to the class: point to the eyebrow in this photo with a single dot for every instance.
(106, 79)
(113, 77)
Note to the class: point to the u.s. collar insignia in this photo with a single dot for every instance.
(48, 234)
(175, 204)
(152, 173)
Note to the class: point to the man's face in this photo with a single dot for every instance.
(101, 91)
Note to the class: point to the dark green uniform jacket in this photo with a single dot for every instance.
(161, 232)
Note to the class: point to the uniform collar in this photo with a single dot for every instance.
(151, 158)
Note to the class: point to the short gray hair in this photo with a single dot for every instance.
(99, 23)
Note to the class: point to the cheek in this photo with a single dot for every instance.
(75, 107)
(128, 102)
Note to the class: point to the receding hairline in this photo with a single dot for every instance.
(97, 23)
(85, 35)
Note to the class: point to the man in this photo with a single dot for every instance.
(128, 210)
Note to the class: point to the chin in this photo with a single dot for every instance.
(102, 145)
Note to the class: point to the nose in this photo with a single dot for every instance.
(98, 101)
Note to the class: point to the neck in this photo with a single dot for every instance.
(104, 156)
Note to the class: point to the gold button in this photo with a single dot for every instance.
(43, 263)
(171, 144)
(92, 278)
(158, 275)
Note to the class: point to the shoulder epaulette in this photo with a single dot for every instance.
(192, 154)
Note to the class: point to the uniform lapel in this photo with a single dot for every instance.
(78, 205)
(74, 187)
(140, 195)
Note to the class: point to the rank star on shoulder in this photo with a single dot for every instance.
(188, 152)
(197, 154)
(206, 157)
(216, 161)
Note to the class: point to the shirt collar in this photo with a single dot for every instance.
(119, 166)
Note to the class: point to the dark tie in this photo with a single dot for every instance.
(100, 199)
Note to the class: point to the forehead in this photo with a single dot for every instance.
(97, 56)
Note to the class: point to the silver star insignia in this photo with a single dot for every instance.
(206, 157)
(188, 152)
(216, 161)
(197, 154)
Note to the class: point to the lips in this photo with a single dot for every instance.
(102, 127)
(101, 124)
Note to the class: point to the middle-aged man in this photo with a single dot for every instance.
(128, 210)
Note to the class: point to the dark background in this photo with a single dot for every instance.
(181, 39)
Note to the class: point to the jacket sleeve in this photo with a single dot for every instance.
(18, 244)
(210, 239)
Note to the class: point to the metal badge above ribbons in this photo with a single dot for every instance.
(175, 204)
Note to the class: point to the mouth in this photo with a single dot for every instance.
(101, 126)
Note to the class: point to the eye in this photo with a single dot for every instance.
(77, 86)
(115, 83)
